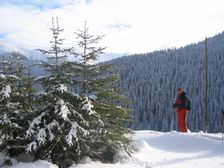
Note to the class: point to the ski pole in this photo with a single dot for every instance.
(222, 122)
(171, 124)
(172, 119)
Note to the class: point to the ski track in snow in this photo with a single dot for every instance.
(161, 150)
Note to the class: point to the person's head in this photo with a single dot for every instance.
(180, 91)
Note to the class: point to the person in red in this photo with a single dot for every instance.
(182, 106)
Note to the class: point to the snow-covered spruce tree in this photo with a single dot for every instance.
(60, 128)
(14, 114)
(24, 87)
(96, 82)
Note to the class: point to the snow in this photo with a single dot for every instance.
(161, 150)
(72, 133)
(2, 76)
(50, 127)
(14, 76)
(31, 146)
(62, 88)
(41, 136)
(170, 150)
(63, 111)
(41, 93)
(6, 91)
(75, 127)
(36, 121)
(6, 119)
(37, 164)
(41, 78)
(88, 106)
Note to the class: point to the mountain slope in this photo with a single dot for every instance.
(150, 81)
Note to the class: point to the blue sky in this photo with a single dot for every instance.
(2, 35)
(41, 4)
(37, 3)
(129, 26)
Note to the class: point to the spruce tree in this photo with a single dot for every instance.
(60, 128)
(25, 86)
(14, 114)
(97, 83)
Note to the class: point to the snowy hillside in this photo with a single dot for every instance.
(162, 150)
(150, 81)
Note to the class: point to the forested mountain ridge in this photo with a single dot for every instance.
(150, 81)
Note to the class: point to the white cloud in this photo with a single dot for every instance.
(132, 26)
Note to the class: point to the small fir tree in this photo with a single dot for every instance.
(14, 114)
(60, 128)
(96, 81)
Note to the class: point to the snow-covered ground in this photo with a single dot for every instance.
(162, 150)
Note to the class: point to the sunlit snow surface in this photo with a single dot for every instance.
(161, 150)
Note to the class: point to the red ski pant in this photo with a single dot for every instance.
(182, 120)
